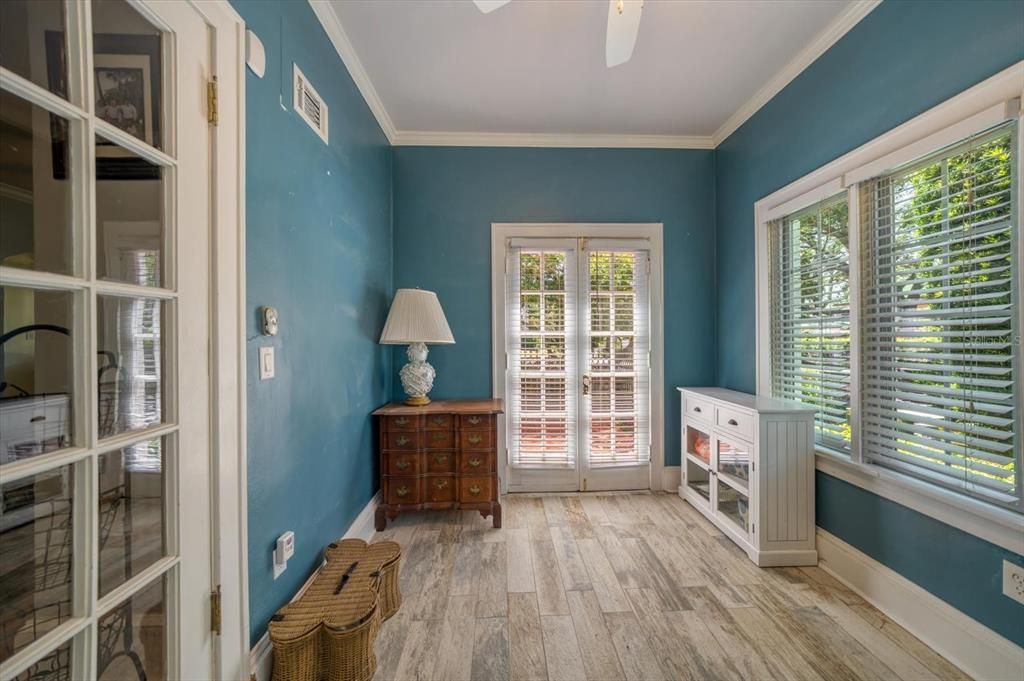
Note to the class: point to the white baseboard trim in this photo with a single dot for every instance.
(671, 478)
(260, 660)
(970, 645)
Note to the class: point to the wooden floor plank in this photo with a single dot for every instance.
(520, 562)
(623, 562)
(547, 577)
(638, 661)
(570, 563)
(454, 657)
(579, 521)
(596, 648)
(492, 594)
(561, 651)
(831, 636)
(741, 650)
(419, 652)
(777, 650)
(594, 509)
(606, 585)
(526, 639)
(555, 511)
(935, 663)
(490, 650)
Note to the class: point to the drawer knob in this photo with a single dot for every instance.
(474, 463)
(473, 420)
(441, 484)
(401, 421)
(440, 459)
(402, 441)
(402, 464)
(732, 422)
(698, 409)
(402, 491)
(474, 439)
(474, 489)
(439, 420)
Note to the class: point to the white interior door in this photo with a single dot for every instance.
(577, 320)
(105, 546)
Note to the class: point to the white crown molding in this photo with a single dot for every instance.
(411, 138)
(332, 24)
(821, 43)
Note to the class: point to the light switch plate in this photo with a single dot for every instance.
(266, 363)
(1013, 581)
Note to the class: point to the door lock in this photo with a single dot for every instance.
(586, 384)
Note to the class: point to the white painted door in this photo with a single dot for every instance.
(105, 544)
(578, 364)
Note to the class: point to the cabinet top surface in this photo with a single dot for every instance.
(758, 403)
(484, 406)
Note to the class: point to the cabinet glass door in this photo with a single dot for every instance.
(732, 504)
(733, 461)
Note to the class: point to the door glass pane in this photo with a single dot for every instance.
(55, 666)
(130, 331)
(35, 557)
(733, 505)
(127, 70)
(698, 444)
(35, 191)
(32, 42)
(131, 508)
(698, 480)
(132, 637)
(129, 216)
(734, 460)
(36, 375)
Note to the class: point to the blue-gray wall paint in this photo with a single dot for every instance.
(447, 198)
(899, 61)
(318, 248)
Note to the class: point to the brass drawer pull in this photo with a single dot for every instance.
(474, 463)
(441, 484)
(474, 489)
(402, 491)
(474, 420)
(402, 441)
(440, 459)
(474, 439)
(401, 421)
(402, 464)
(439, 420)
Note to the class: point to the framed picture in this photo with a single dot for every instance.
(127, 94)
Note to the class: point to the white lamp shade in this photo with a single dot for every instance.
(415, 317)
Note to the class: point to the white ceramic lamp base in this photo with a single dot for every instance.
(417, 376)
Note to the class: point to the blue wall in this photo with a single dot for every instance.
(877, 76)
(318, 238)
(447, 198)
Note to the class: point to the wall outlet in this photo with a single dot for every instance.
(1013, 581)
(284, 549)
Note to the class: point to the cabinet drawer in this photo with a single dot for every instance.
(440, 439)
(440, 488)
(697, 408)
(476, 421)
(401, 423)
(476, 463)
(403, 441)
(440, 462)
(476, 439)
(735, 422)
(474, 490)
(404, 490)
(403, 464)
(440, 422)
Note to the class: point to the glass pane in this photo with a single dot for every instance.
(35, 194)
(733, 505)
(32, 42)
(131, 506)
(698, 480)
(131, 363)
(35, 557)
(55, 666)
(129, 216)
(529, 271)
(698, 444)
(127, 70)
(554, 271)
(734, 460)
(132, 637)
(36, 374)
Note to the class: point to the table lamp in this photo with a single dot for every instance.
(416, 318)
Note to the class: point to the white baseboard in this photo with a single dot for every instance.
(970, 645)
(671, 478)
(260, 660)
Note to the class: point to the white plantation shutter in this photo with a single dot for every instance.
(941, 318)
(810, 331)
(617, 353)
(541, 346)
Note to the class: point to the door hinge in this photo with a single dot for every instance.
(211, 101)
(215, 610)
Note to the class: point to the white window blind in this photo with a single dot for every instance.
(541, 345)
(618, 355)
(941, 318)
(810, 331)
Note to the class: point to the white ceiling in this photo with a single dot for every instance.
(537, 67)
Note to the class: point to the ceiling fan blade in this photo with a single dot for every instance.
(488, 6)
(623, 26)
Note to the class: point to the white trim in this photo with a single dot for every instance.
(671, 478)
(411, 138)
(807, 56)
(260, 658)
(651, 231)
(336, 33)
(971, 646)
(808, 198)
(999, 526)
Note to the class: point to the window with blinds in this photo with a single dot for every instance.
(809, 264)
(541, 345)
(618, 357)
(940, 318)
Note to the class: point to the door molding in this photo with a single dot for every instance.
(652, 231)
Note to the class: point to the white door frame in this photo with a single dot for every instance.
(500, 233)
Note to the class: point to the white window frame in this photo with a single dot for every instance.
(988, 103)
(652, 232)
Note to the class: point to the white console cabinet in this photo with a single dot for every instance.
(748, 466)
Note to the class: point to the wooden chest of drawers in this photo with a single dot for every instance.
(439, 456)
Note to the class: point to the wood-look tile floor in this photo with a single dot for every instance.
(623, 586)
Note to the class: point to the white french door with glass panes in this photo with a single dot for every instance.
(578, 375)
(105, 306)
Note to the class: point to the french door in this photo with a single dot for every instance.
(578, 377)
(105, 544)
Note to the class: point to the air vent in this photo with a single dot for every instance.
(309, 105)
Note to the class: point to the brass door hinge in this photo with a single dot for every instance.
(215, 610)
(211, 101)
